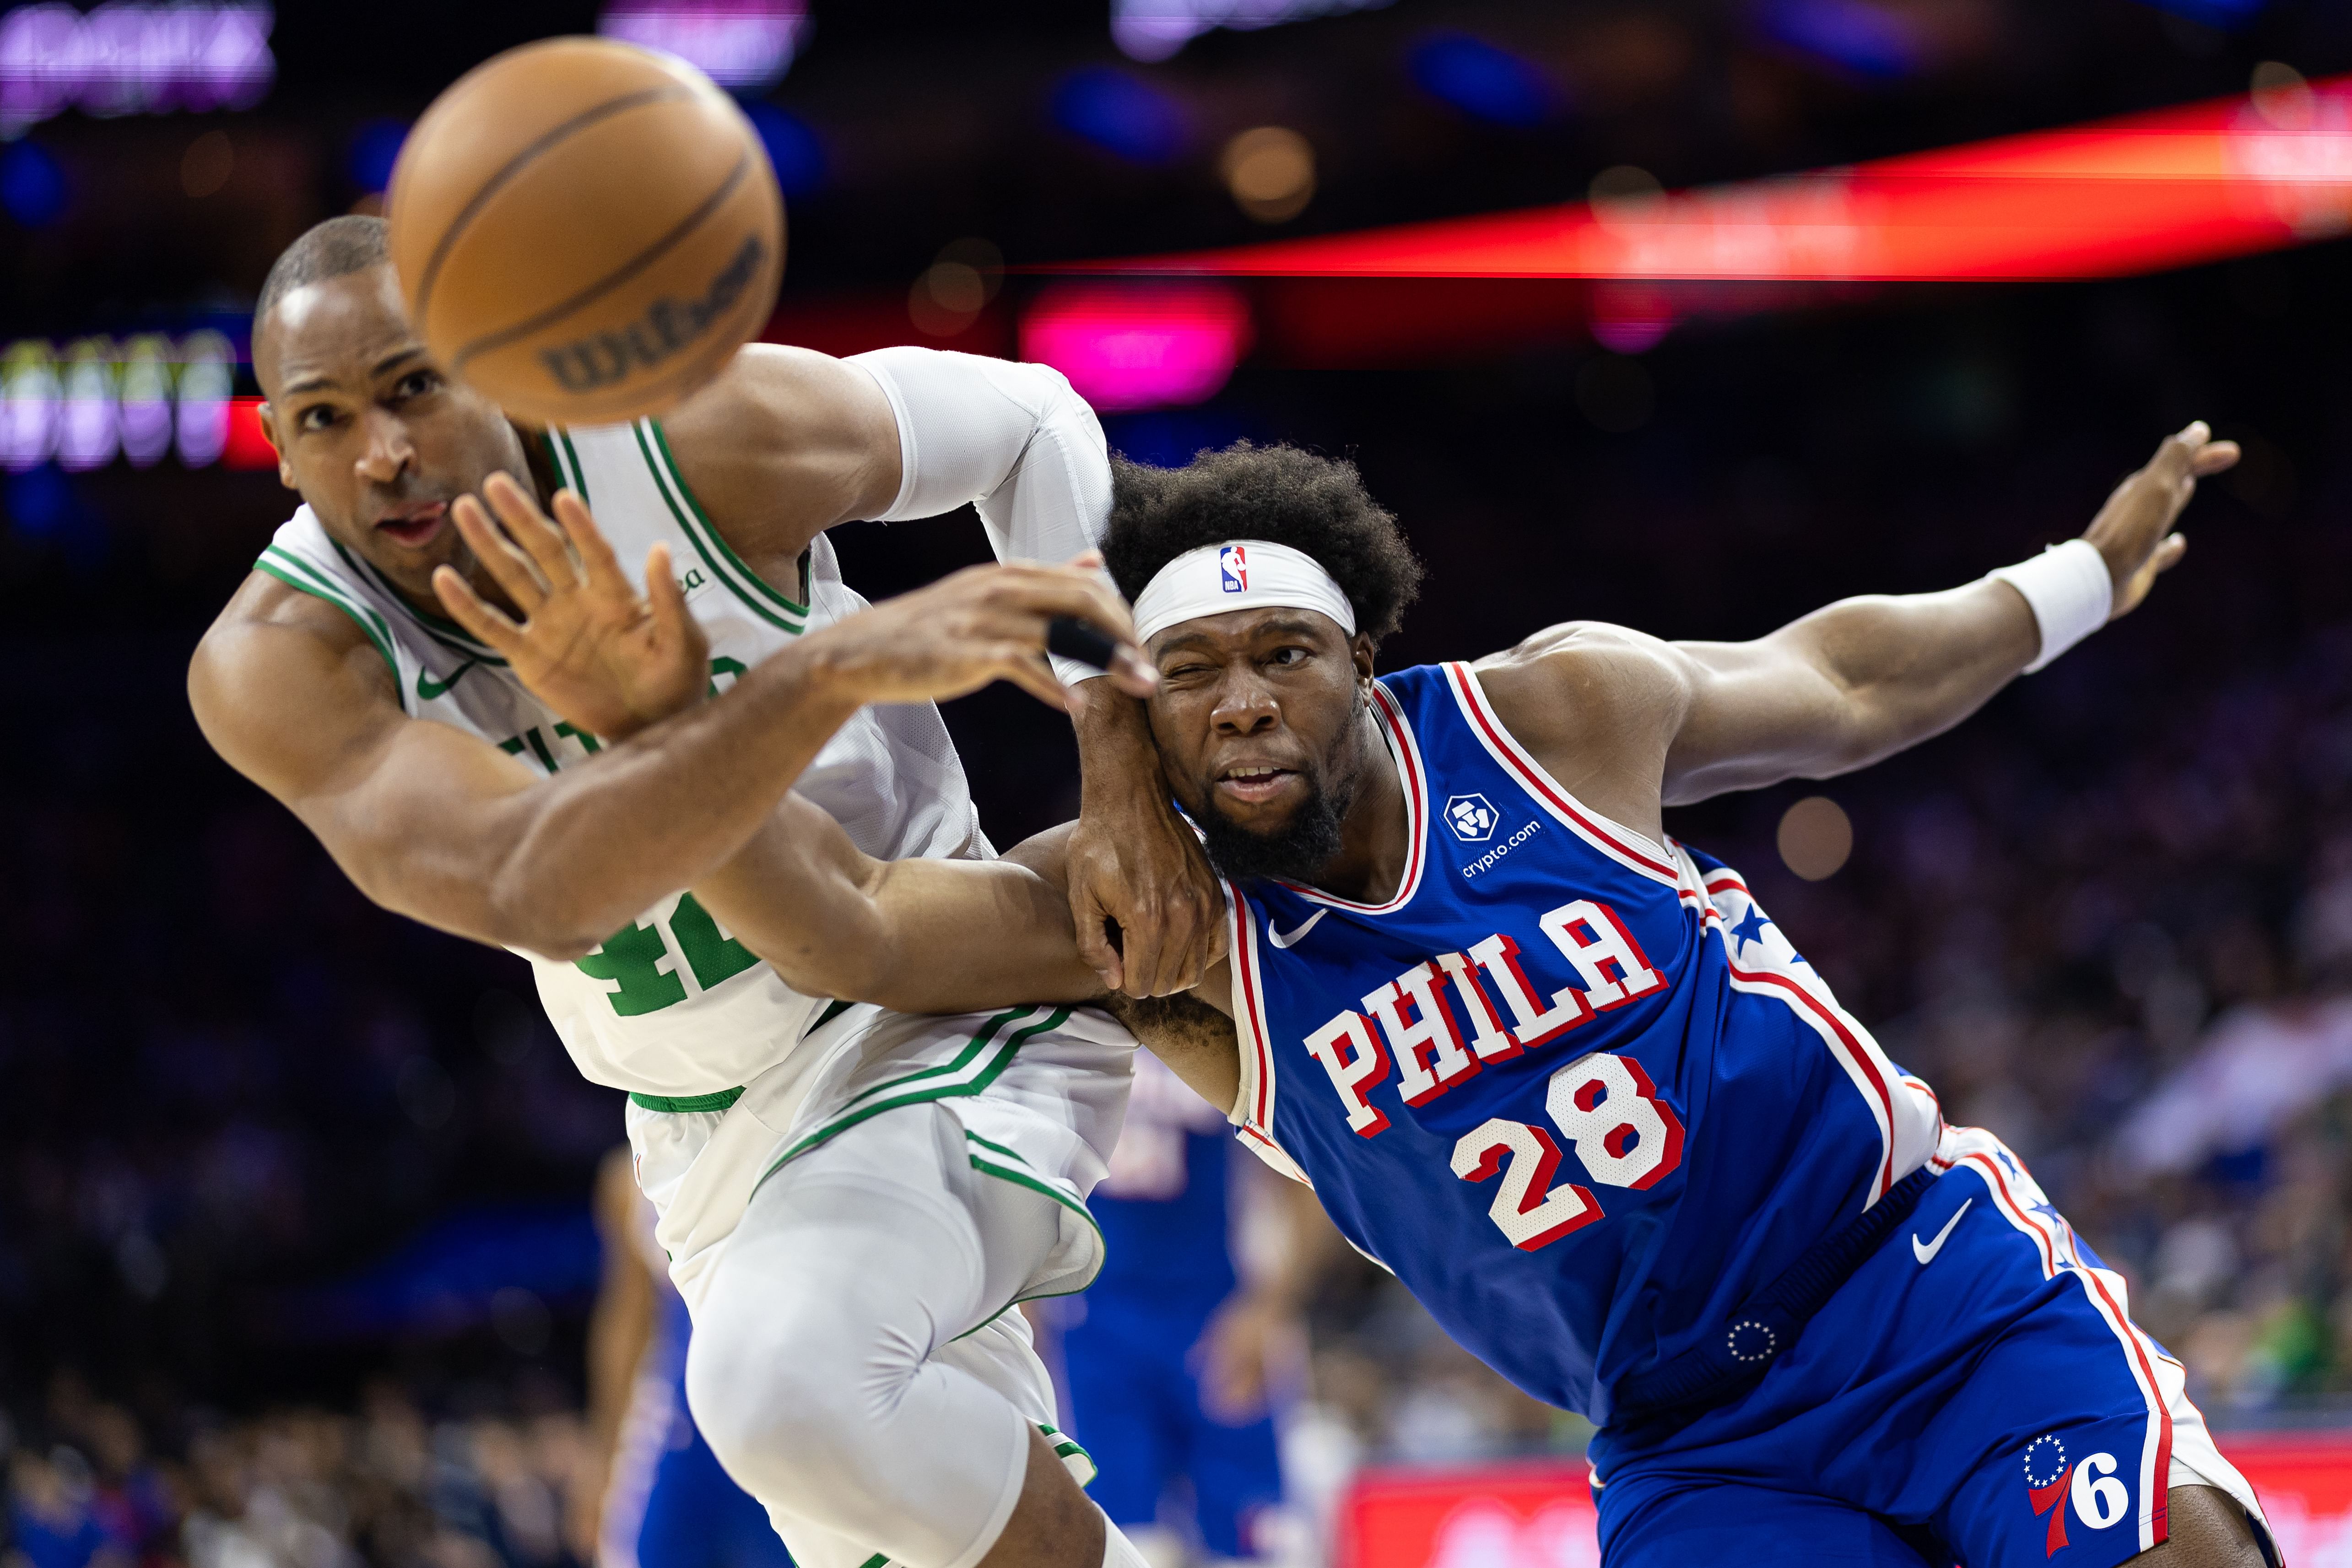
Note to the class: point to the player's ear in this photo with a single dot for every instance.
(1360, 648)
(269, 434)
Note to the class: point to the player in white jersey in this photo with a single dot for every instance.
(858, 1370)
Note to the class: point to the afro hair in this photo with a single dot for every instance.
(1280, 494)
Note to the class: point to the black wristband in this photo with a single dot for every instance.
(1073, 638)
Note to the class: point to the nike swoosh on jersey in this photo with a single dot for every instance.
(1927, 1255)
(428, 689)
(1305, 926)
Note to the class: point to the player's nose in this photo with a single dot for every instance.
(387, 449)
(1245, 707)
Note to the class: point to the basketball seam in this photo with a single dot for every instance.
(614, 279)
(514, 166)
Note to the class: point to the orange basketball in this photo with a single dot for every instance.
(586, 230)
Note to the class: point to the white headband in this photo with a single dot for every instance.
(1242, 574)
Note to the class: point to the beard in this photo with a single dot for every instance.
(1293, 852)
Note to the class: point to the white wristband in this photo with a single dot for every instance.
(2070, 592)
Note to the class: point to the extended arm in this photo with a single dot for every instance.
(1630, 722)
(441, 825)
(948, 936)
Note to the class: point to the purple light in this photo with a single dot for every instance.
(95, 400)
(1139, 348)
(89, 434)
(1156, 29)
(1631, 318)
(736, 43)
(125, 58)
(29, 408)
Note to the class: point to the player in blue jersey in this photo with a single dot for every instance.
(1166, 1353)
(664, 1500)
(1563, 1075)
(1567, 1081)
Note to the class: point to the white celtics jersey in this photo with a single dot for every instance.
(671, 1006)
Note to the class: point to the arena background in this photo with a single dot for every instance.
(293, 1192)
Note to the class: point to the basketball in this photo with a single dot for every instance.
(586, 230)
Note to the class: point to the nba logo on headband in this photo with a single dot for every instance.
(1232, 569)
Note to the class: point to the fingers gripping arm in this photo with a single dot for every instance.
(1022, 448)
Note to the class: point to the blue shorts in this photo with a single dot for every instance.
(1976, 1392)
(1135, 1403)
(671, 1505)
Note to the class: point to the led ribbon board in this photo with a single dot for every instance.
(2142, 194)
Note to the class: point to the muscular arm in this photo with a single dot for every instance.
(920, 935)
(1630, 722)
(948, 936)
(442, 826)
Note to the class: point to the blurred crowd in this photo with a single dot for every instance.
(298, 1488)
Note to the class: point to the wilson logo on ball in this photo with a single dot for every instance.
(585, 231)
(604, 358)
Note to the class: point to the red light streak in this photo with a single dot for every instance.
(2149, 191)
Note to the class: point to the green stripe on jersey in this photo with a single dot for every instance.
(748, 586)
(299, 574)
(565, 460)
(447, 633)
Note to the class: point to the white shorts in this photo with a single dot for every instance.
(1040, 1092)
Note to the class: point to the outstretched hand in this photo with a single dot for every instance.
(979, 625)
(609, 660)
(2134, 530)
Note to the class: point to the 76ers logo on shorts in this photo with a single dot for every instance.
(1232, 569)
(1472, 819)
(2099, 1499)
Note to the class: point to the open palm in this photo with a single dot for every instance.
(2134, 530)
(609, 660)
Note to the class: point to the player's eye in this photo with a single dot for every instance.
(1288, 655)
(318, 416)
(415, 384)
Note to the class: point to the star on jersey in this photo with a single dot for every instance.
(2045, 1207)
(1751, 929)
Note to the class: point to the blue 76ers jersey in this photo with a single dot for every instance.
(1571, 1086)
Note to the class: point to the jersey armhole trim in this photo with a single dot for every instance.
(376, 638)
(747, 583)
(1634, 851)
(566, 461)
(440, 628)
